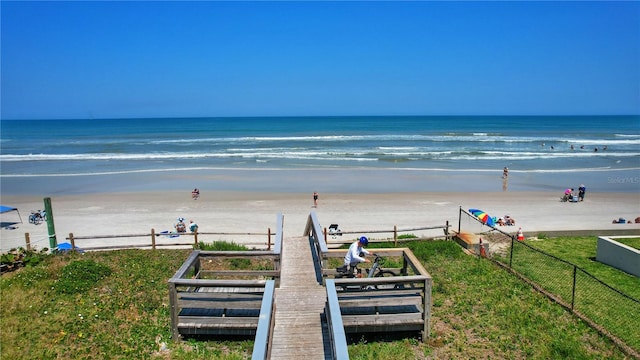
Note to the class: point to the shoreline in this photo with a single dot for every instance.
(137, 212)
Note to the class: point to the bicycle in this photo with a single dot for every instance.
(376, 270)
(37, 217)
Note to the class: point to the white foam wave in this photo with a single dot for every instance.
(326, 154)
(248, 169)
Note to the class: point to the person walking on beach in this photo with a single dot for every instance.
(315, 199)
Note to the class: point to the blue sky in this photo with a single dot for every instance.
(172, 59)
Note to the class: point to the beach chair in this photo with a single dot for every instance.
(335, 230)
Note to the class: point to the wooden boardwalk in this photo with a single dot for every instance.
(299, 330)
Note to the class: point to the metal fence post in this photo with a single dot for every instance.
(511, 255)
(573, 290)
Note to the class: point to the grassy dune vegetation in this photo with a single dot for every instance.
(479, 311)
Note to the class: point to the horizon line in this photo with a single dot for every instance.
(313, 116)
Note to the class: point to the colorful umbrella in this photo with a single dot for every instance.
(482, 216)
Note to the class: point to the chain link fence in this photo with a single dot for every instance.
(496, 240)
(612, 312)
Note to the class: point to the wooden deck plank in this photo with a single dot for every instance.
(395, 293)
(382, 322)
(220, 304)
(219, 296)
(300, 301)
(414, 300)
(217, 322)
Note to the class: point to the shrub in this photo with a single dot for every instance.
(221, 246)
(19, 257)
(81, 275)
(407, 236)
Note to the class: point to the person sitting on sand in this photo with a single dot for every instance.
(193, 227)
(195, 194)
(500, 222)
(620, 221)
(568, 195)
(181, 226)
(509, 221)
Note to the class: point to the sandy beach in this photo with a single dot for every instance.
(254, 212)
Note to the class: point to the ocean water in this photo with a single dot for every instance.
(528, 145)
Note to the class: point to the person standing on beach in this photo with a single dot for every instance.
(505, 172)
(315, 199)
(581, 190)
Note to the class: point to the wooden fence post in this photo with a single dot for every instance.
(73, 241)
(27, 241)
(446, 231)
(153, 238)
(395, 235)
(269, 238)
(195, 236)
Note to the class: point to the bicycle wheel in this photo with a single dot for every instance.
(386, 273)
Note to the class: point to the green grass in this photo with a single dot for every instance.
(118, 317)
(632, 242)
(221, 246)
(482, 311)
(479, 311)
(619, 314)
(581, 251)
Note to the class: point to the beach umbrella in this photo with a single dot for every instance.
(482, 216)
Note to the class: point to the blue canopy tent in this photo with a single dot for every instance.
(6, 209)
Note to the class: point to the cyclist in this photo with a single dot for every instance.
(356, 254)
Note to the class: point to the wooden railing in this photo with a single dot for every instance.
(265, 324)
(206, 301)
(401, 302)
(334, 319)
(395, 234)
(318, 244)
(154, 237)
